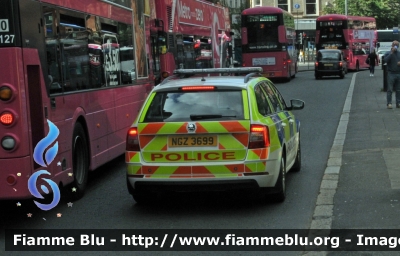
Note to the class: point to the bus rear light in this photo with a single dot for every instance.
(132, 140)
(11, 179)
(8, 143)
(5, 93)
(259, 136)
(6, 118)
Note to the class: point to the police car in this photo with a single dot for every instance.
(213, 133)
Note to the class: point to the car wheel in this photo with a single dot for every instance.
(342, 74)
(297, 162)
(280, 185)
(80, 162)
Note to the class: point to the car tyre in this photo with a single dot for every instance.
(280, 185)
(80, 162)
(342, 74)
(297, 162)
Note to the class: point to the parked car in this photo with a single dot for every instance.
(381, 53)
(213, 133)
(330, 62)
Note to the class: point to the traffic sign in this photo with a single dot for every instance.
(297, 6)
(395, 30)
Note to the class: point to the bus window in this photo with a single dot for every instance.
(126, 50)
(53, 80)
(73, 39)
(262, 32)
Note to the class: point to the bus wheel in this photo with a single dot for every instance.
(290, 75)
(80, 163)
(357, 67)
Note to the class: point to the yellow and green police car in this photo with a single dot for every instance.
(197, 132)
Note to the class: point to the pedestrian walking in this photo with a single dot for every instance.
(301, 55)
(372, 60)
(392, 58)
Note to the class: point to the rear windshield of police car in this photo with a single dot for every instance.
(195, 106)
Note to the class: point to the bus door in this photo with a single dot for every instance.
(158, 47)
(180, 54)
(185, 52)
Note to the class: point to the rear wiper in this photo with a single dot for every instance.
(198, 117)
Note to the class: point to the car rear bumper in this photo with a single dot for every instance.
(329, 72)
(202, 184)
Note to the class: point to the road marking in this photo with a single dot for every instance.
(323, 212)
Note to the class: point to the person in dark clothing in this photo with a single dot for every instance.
(392, 58)
(373, 60)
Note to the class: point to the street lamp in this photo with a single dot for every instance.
(345, 7)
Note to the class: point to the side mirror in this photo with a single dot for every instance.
(296, 104)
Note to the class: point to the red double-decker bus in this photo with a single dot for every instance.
(80, 65)
(268, 41)
(354, 35)
(188, 34)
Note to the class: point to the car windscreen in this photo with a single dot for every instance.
(329, 56)
(194, 106)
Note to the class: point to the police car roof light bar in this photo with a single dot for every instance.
(217, 70)
(248, 76)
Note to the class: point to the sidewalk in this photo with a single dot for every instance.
(368, 194)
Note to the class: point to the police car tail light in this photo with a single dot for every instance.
(198, 88)
(259, 136)
(132, 140)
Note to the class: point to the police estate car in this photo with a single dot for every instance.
(213, 133)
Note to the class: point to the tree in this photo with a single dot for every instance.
(381, 10)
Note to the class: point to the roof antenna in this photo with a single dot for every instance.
(202, 77)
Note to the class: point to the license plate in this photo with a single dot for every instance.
(328, 65)
(263, 61)
(192, 141)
